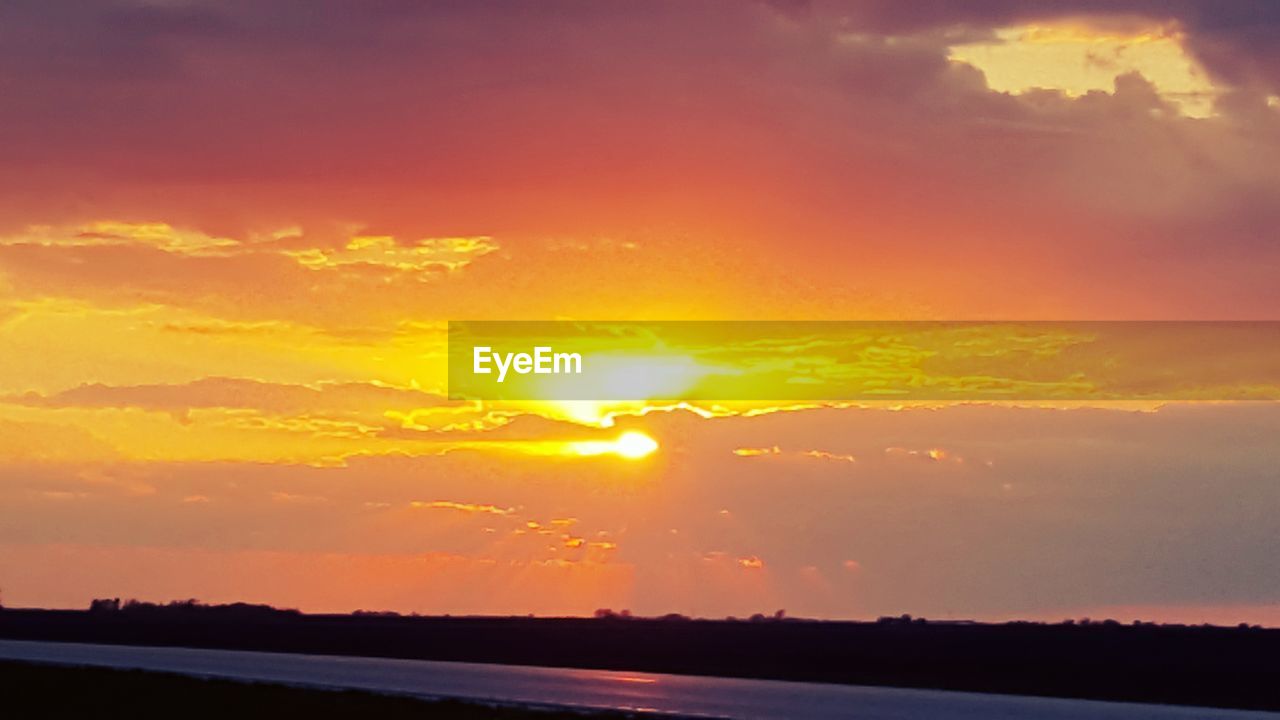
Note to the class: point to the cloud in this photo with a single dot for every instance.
(1097, 496)
(40, 442)
(750, 452)
(221, 392)
(382, 251)
(813, 140)
(368, 252)
(468, 508)
(1076, 59)
(825, 455)
(929, 454)
(114, 233)
(756, 451)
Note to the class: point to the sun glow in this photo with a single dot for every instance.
(631, 445)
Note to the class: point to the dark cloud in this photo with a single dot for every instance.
(1239, 41)
(817, 146)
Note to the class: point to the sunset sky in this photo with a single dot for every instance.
(232, 235)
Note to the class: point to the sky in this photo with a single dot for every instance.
(232, 234)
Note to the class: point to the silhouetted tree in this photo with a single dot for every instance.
(104, 605)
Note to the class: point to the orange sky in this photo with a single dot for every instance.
(231, 235)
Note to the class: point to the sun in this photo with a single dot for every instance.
(631, 445)
(634, 445)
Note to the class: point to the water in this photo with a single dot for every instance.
(677, 694)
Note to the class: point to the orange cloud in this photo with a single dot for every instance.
(757, 451)
(824, 455)
(469, 508)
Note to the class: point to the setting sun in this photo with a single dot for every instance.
(631, 445)
(635, 445)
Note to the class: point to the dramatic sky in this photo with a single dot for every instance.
(231, 234)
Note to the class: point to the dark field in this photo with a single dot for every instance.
(1185, 665)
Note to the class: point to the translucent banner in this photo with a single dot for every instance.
(849, 361)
